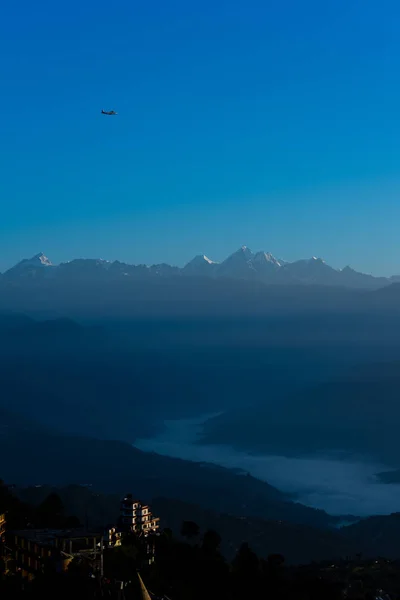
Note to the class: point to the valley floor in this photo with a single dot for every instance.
(339, 486)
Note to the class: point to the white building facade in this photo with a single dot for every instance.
(137, 516)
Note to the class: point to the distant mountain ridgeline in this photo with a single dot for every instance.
(242, 265)
(245, 284)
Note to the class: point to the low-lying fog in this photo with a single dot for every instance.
(337, 486)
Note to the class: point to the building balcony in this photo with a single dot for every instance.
(2, 525)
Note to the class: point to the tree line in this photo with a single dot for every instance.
(188, 565)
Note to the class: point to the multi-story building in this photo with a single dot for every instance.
(137, 516)
(2, 526)
(112, 536)
(34, 551)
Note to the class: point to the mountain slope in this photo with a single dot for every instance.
(115, 467)
(311, 271)
(101, 381)
(357, 414)
(239, 265)
(378, 535)
(200, 266)
(299, 544)
(37, 266)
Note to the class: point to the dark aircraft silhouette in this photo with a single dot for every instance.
(108, 112)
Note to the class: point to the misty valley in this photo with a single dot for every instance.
(290, 414)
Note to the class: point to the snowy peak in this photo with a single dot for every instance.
(314, 260)
(262, 258)
(200, 265)
(238, 265)
(312, 271)
(243, 255)
(244, 252)
(41, 259)
(311, 263)
(207, 260)
(199, 260)
(30, 267)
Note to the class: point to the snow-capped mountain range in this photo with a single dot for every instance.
(242, 264)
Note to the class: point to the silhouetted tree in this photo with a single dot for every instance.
(246, 561)
(213, 571)
(211, 541)
(19, 514)
(246, 573)
(71, 522)
(275, 561)
(50, 513)
(273, 573)
(189, 530)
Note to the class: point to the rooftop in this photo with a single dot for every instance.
(47, 536)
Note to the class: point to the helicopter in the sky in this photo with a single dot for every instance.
(109, 112)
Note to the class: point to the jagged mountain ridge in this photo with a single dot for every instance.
(241, 265)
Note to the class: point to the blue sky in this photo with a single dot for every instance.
(270, 124)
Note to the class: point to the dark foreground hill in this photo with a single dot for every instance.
(371, 537)
(378, 535)
(298, 543)
(36, 456)
(356, 413)
(193, 565)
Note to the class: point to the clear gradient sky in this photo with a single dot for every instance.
(271, 124)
